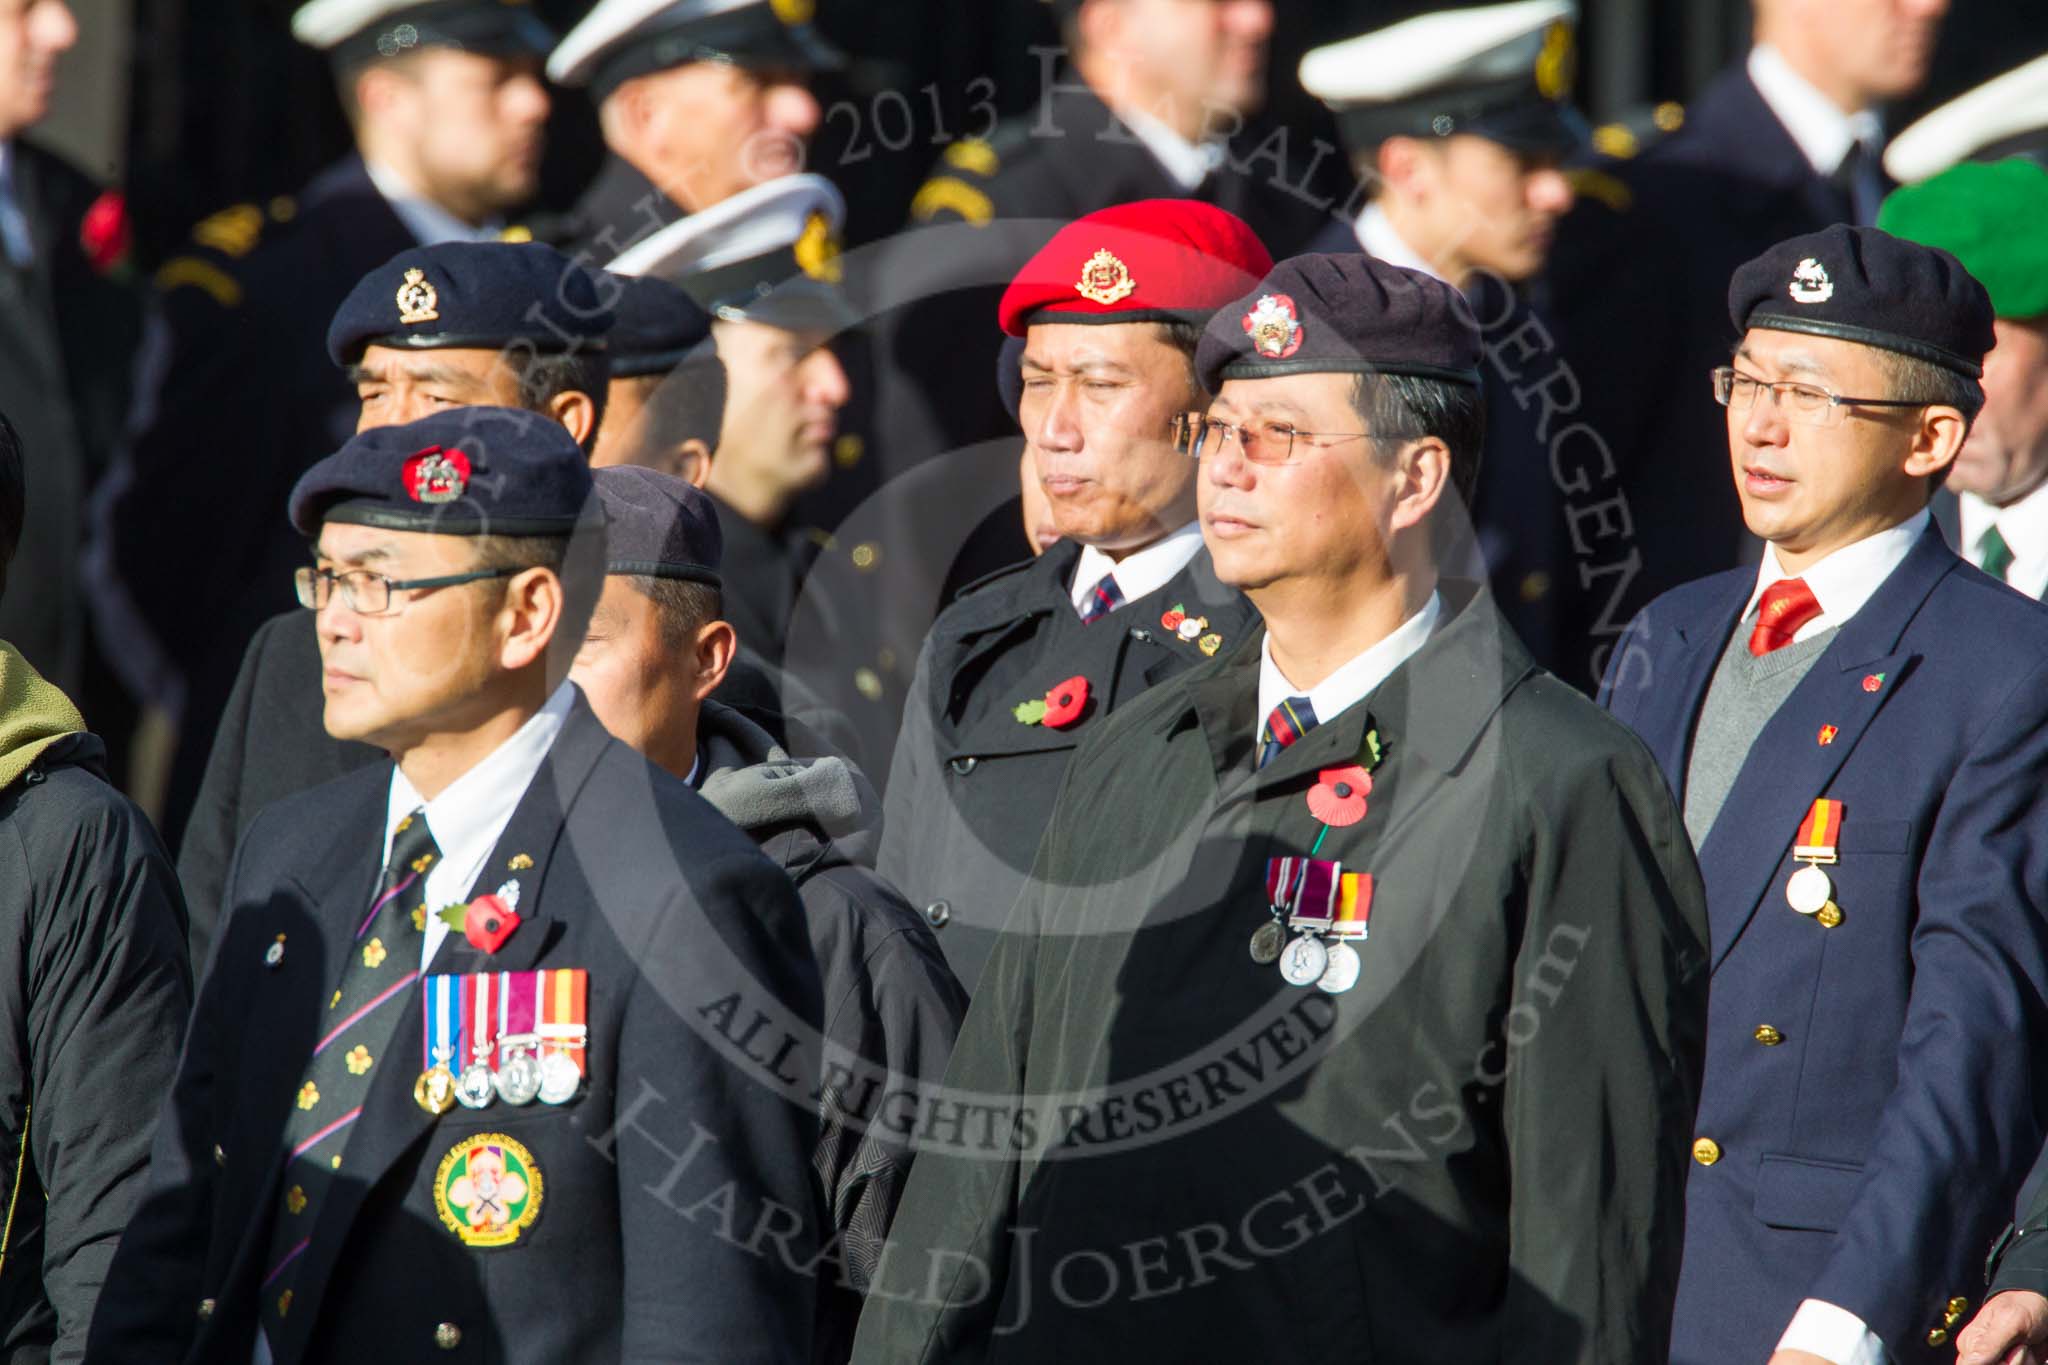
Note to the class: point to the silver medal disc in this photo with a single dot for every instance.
(473, 1087)
(559, 1079)
(1266, 943)
(1808, 890)
(518, 1080)
(1342, 973)
(1303, 962)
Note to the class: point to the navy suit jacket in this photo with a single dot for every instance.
(1870, 1157)
(678, 1205)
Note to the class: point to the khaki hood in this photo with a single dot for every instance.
(34, 714)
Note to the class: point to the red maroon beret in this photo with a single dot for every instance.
(1157, 260)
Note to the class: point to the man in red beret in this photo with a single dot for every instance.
(1027, 661)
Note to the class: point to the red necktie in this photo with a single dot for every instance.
(1787, 605)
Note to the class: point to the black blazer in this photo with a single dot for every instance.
(694, 1135)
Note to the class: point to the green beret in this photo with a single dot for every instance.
(1989, 216)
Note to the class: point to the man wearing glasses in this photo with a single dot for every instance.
(1858, 734)
(481, 1100)
(1110, 312)
(1356, 999)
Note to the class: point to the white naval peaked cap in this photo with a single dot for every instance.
(768, 254)
(1975, 125)
(620, 39)
(351, 29)
(1450, 47)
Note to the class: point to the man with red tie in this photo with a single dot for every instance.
(1857, 732)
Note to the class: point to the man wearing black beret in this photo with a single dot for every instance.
(1355, 1005)
(667, 396)
(1856, 730)
(516, 325)
(656, 650)
(316, 1192)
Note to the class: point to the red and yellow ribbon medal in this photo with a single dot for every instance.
(564, 1033)
(1810, 891)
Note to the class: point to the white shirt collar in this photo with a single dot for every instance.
(1376, 233)
(470, 815)
(1354, 681)
(1824, 133)
(1186, 163)
(2023, 524)
(1140, 573)
(1846, 579)
(426, 220)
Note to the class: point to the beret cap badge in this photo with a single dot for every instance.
(1272, 325)
(1810, 283)
(417, 301)
(436, 475)
(1105, 279)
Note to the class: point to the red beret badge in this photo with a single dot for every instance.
(1105, 279)
(1274, 329)
(436, 475)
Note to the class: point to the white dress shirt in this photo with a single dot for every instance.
(1376, 233)
(1140, 572)
(427, 221)
(1822, 131)
(1352, 682)
(2023, 524)
(1841, 583)
(1846, 579)
(1187, 163)
(469, 816)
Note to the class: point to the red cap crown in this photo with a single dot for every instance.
(1157, 260)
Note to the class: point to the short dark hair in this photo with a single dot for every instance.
(685, 404)
(1913, 380)
(1453, 413)
(684, 605)
(578, 560)
(13, 497)
(1185, 337)
(546, 376)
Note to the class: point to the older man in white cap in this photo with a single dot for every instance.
(698, 100)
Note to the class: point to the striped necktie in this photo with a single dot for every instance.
(383, 960)
(1290, 720)
(1102, 599)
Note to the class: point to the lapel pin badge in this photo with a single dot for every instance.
(1828, 733)
(275, 953)
(520, 862)
(1873, 681)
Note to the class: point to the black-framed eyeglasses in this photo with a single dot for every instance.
(1806, 404)
(368, 593)
(1196, 434)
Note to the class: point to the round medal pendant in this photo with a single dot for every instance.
(434, 1091)
(559, 1079)
(1303, 962)
(518, 1081)
(1267, 940)
(1808, 890)
(473, 1087)
(1342, 973)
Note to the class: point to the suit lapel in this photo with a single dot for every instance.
(1788, 767)
(392, 1123)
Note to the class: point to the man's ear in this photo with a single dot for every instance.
(1425, 467)
(691, 462)
(577, 414)
(1938, 441)
(534, 604)
(716, 646)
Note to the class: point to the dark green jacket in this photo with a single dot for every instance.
(1478, 1153)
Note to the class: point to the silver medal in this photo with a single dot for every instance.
(518, 1078)
(1266, 943)
(1303, 962)
(473, 1087)
(559, 1079)
(1809, 890)
(1342, 973)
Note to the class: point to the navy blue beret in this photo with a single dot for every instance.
(658, 526)
(473, 295)
(1010, 376)
(1342, 314)
(655, 326)
(1859, 284)
(477, 471)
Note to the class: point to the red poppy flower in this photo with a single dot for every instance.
(1172, 619)
(1065, 702)
(103, 233)
(1338, 797)
(488, 923)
